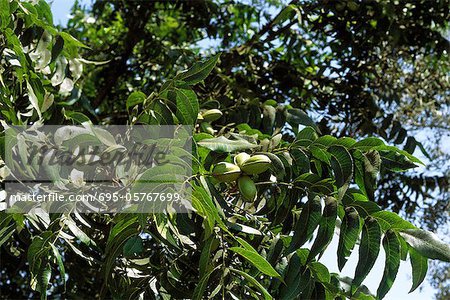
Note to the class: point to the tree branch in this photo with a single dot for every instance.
(136, 32)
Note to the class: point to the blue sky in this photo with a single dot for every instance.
(61, 9)
(402, 284)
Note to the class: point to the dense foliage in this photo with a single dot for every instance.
(358, 67)
(345, 63)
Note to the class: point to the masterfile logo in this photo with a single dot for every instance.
(102, 169)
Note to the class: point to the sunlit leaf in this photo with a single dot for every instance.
(257, 260)
(307, 222)
(427, 244)
(199, 71)
(135, 98)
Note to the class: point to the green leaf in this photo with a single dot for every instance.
(205, 207)
(70, 40)
(158, 114)
(396, 162)
(76, 116)
(326, 228)
(320, 154)
(187, 106)
(35, 98)
(365, 208)
(37, 256)
(315, 183)
(348, 235)
(287, 13)
(390, 220)
(199, 71)
(118, 236)
(205, 256)
(275, 250)
(347, 142)
(5, 16)
(301, 164)
(201, 286)
(306, 136)
(222, 144)
(16, 45)
(368, 144)
(166, 177)
(58, 257)
(404, 248)
(404, 153)
(77, 232)
(302, 254)
(306, 224)
(133, 246)
(6, 233)
(325, 141)
(212, 194)
(427, 244)
(391, 245)
(366, 171)
(320, 272)
(245, 244)
(104, 136)
(45, 11)
(277, 166)
(39, 245)
(119, 228)
(299, 117)
(42, 280)
(360, 295)
(297, 278)
(57, 48)
(254, 282)
(422, 149)
(419, 265)
(135, 98)
(307, 133)
(257, 260)
(345, 282)
(342, 164)
(368, 250)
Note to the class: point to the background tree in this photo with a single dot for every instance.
(359, 67)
